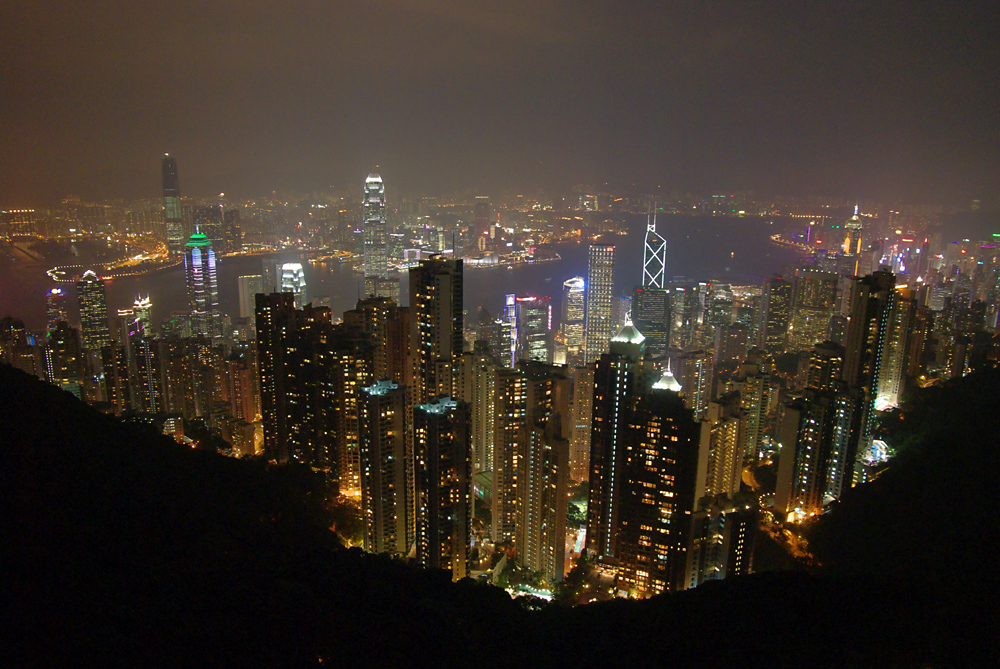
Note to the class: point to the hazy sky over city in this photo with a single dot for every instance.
(884, 99)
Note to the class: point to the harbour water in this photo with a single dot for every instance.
(734, 250)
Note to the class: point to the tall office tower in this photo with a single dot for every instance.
(481, 214)
(142, 308)
(815, 303)
(599, 323)
(93, 312)
(534, 328)
(477, 388)
(543, 471)
(508, 434)
(892, 377)
(573, 309)
(293, 280)
(386, 508)
(249, 286)
(696, 370)
(202, 287)
(852, 240)
(64, 359)
(777, 307)
(582, 413)
(754, 386)
(173, 218)
(654, 257)
(118, 390)
(720, 455)
(826, 366)
(377, 287)
(436, 326)
(275, 317)
(620, 376)
(658, 472)
(443, 493)
(722, 541)
(55, 308)
(208, 221)
(244, 396)
(376, 255)
(815, 461)
(651, 316)
(872, 300)
(232, 234)
(507, 349)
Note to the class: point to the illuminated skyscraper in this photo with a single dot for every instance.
(870, 328)
(619, 380)
(436, 326)
(599, 325)
(654, 257)
(293, 280)
(534, 328)
(658, 471)
(172, 216)
(443, 491)
(650, 314)
(202, 286)
(55, 307)
(720, 457)
(93, 312)
(376, 252)
(385, 504)
(815, 303)
(573, 310)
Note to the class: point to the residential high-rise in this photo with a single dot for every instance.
(620, 378)
(293, 280)
(386, 507)
(695, 374)
(436, 326)
(55, 307)
(892, 377)
(599, 319)
(508, 435)
(658, 472)
(202, 287)
(93, 312)
(376, 250)
(477, 387)
(754, 386)
(542, 471)
(582, 414)
(443, 490)
(872, 303)
(722, 541)
(720, 456)
(63, 359)
(654, 257)
(173, 218)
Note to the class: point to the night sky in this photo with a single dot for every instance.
(861, 99)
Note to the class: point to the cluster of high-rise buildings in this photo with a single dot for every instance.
(461, 438)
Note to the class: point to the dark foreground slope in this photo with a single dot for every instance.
(121, 548)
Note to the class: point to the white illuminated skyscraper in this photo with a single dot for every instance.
(654, 257)
(293, 280)
(202, 286)
(376, 255)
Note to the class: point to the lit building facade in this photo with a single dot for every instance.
(202, 287)
(376, 232)
(93, 312)
(599, 319)
(293, 280)
(173, 217)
